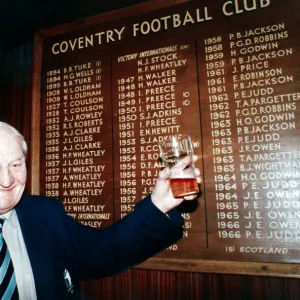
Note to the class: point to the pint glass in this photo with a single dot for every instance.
(182, 180)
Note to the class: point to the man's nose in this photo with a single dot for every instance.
(6, 178)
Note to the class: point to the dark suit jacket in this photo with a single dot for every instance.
(55, 243)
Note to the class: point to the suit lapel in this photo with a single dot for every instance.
(38, 244)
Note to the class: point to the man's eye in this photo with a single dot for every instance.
(16, 165)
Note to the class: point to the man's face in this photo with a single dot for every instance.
(12, 170)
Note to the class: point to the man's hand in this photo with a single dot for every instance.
(162, 196)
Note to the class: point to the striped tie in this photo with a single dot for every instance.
(8, 285)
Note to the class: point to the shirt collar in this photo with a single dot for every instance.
(10, 217)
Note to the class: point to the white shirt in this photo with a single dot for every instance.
(15, 243)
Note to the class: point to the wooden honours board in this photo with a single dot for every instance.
(109, 88)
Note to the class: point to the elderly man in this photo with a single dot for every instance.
(45, 253)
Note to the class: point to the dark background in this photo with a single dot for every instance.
(19, 20)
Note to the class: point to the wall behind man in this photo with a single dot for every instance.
(16, 57)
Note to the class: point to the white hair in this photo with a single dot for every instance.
(17, 133)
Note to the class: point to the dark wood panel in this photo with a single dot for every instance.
(163, 285)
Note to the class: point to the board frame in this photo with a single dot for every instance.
(291, 270)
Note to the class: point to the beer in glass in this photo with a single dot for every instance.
(182, 180)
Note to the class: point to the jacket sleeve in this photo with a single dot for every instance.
(136, 237)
